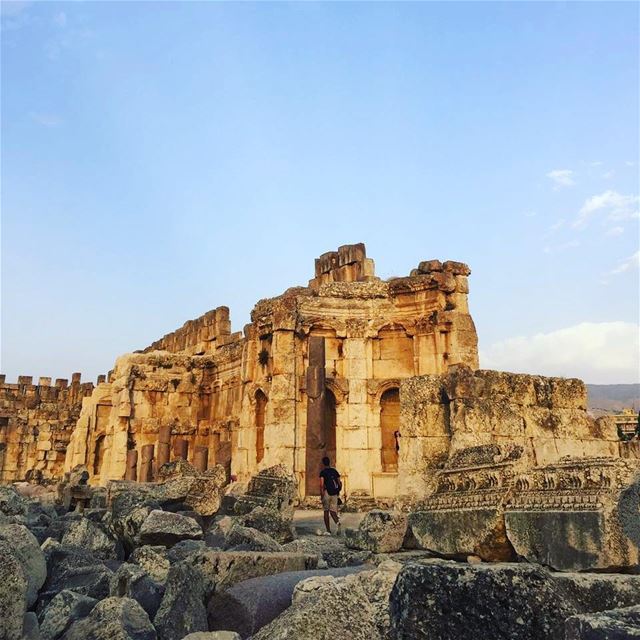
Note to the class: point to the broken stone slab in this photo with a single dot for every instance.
(579, 514)
(222, 569)
(272, 522)
(456, 601)
(26, 550)
(13, 593)
(241, 538)
(129, 510)
(95, 538)
(132, 581)
(11, 502)
(273, 488)
(316, 601)
(379, 532)
(75, 569)
(66, 608)
(330, 550)
(113, 619)
(153, 559)
(614, 624)
(182, 610)
(166, 528)
(250, 605)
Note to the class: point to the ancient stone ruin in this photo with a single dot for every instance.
(169, 501)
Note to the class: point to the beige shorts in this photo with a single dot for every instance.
(329, 503)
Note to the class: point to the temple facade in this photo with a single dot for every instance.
(317, 372)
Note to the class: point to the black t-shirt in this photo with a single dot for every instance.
(331, 480)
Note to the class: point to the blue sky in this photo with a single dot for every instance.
(162, 159)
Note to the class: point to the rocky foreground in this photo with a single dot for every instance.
(184, 559)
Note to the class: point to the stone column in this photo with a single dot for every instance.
(201, 459)
(180, 448)
(315, 414)
(131, 472)
(164, 452)
(146, 468)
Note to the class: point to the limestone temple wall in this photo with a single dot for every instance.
(316, 372)
(512, 466)
(36, 423)
(455, 416)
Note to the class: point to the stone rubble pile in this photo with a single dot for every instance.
(150, 566)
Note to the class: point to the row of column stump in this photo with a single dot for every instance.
(149, 465)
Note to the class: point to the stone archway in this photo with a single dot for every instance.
(389, 426)
(261, 411)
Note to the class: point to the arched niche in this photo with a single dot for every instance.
(389, 429)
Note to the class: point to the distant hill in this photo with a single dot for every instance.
(608, 398)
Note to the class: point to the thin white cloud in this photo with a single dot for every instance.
(607, 175)
(597, 352)
(60, 19)
(627, 264)
(596, 163)
(563, 246)
(614, 231)
(49, 120)
(629, 163)
(530, 214)
(562, 178)
(614, 205)
(557, 225)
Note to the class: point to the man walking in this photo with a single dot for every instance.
(330, 487)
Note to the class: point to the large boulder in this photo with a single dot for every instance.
(241, 538)
(13, 594)
(129, 510)
(165, 528)
(113, 619)
(26, 549)
(182, 610)
(379, 531)
(250, 605)
(615, 624)
(75, 569)
(132, 581)
(65, 609)
(11, 502)
(220, 570)
(455, 601)
(206, 492)
(273, 488)
(324, 608)
(153, 559)
(94, 537)
(271, 521)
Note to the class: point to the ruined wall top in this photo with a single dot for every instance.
(25, 385)
(348, 264)
(199, 336)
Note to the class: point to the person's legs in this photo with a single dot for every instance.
(334, 515)
(327, 507)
